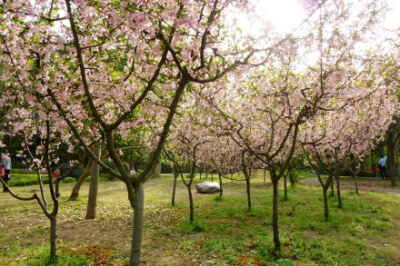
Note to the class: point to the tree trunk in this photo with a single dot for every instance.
(340, 204)
(392, 156)
(356, 183)
(248, 193)
(131, 162)
(156, 172)
(275, 225)
(137, 226)
(326, 207)
(80, 181)
(212, 177)
(53, 238)
(332, 188)
(191, 207)
(221, 191)
(94, 183)
(292, 178)
(174, 189)
(285, 186)
(265, 175)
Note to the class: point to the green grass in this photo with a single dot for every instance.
(38, 255)
(364, 232)
(25, 177)
(303, 174)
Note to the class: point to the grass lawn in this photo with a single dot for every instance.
(26, 177)
(365, 232)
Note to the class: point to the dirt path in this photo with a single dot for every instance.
(363, 184)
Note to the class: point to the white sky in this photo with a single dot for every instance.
(286, 15)
(393, 18)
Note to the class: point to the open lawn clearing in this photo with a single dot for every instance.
(365, 232)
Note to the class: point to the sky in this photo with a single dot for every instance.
(286, 15)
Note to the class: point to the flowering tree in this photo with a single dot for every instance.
(264, 113)
(183, 150)
(103, 65)
(222, 155)
(333, 138)
(390, 69)
(39, 146)
(110, 67)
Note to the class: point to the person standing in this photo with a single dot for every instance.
(382, 166)
(6, 163)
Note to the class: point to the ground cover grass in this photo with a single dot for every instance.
(26, 177)
(365, 232)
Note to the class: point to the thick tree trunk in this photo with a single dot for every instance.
(340, 204)
(326, 207)
(174, 189)
(191, 206)
(94, 183)
(80, 181)
(292, 179)
(221, 191)
(53, 238)
(156, 172)
(275, 225)
(248, 193)
(137, 226)
(247, 173)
